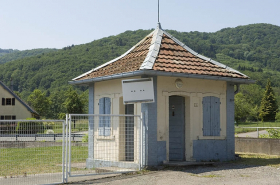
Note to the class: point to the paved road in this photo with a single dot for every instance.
(19, 137)
(251, 134)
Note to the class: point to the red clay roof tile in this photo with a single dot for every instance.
(171, 58)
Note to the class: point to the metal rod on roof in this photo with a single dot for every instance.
(158, 10)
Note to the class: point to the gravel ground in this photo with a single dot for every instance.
(221, 173)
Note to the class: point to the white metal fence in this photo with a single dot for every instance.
(32, 152)
(111, 144)
(55, 151)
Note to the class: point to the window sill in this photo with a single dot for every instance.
(105, 137)
(211, 137)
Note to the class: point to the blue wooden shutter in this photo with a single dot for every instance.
(101, 118)
(215, 116)
(107, 125)
(206, 116)
(211, 116)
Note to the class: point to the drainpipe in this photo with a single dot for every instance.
(237, 89)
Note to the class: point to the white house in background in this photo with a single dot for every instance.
(192, 117)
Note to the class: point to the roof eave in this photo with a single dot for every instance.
(86, 82)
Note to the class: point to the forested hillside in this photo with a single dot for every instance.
(53, 70)
(7, 55)
(6, 51)
(252, 49)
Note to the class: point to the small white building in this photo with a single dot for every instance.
(192, 118)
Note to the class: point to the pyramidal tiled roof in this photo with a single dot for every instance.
(161, 52)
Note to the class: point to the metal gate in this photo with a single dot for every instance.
(102, 144)
(55, 151)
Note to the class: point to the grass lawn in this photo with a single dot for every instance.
(254, 124)
(259, 160)
(79, 127)
(24, 161)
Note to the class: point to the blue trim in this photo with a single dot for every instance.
(210, 150)
(150, 145)
(90, 158)
(230, 122)
(161, 152)
(18, 98)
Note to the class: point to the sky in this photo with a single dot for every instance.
(30, 24)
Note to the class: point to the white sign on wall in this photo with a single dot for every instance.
(138, 90)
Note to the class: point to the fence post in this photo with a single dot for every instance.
(258, 131)
(70, 131)
(141, 141)
(63, 153)
(66, 150)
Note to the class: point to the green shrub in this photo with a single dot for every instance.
(277, 117)
(264, 136)
(29, 127)
(274, 133)
(85, 138)
(48, 125)
(61, 116)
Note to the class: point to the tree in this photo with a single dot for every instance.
(74, 103)
(269, 107)
(58, 98)
(39, 102)
(243, 109)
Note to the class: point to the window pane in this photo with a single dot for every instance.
(8, 101)
(8, 117)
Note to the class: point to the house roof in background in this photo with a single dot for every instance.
(18, 98)
(160, 51)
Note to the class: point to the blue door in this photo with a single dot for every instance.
(176, 128)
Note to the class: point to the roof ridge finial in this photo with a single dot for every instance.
(158, 11)
(158, 24)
